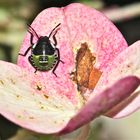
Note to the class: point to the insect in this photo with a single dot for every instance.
(44, 54)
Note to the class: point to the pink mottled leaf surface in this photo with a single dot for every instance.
(103, 102)
(47, 104)
(127, 63)
(79, 24)
(23, 101)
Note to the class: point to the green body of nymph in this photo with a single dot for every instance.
(45, 65)
(44, 54)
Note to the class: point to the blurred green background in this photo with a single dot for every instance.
(14, 16)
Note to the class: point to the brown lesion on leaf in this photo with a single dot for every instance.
(42, 107)
(1, 82)
(86, 75)
(46, 96)
(38, 87)
(12, 81)
(19, 116)
(31, 118)
(18, 96)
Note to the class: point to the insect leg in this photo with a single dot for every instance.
(29, 59)
(53, 30)
(59, 55)
(31, 30)
(53, 71)
(31, 42)
(31, 39)
(25, 52)
(61, 61)
(54, 39)
(35, 71)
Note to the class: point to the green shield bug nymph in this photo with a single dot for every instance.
(44, 54)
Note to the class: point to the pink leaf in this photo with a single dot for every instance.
(103, 102)
(79, 24)
(127, 63)
(24, 101)
(45, 103)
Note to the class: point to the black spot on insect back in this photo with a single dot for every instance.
(43, 47)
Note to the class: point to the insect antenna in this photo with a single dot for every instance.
(54, 29)
(31, 30)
